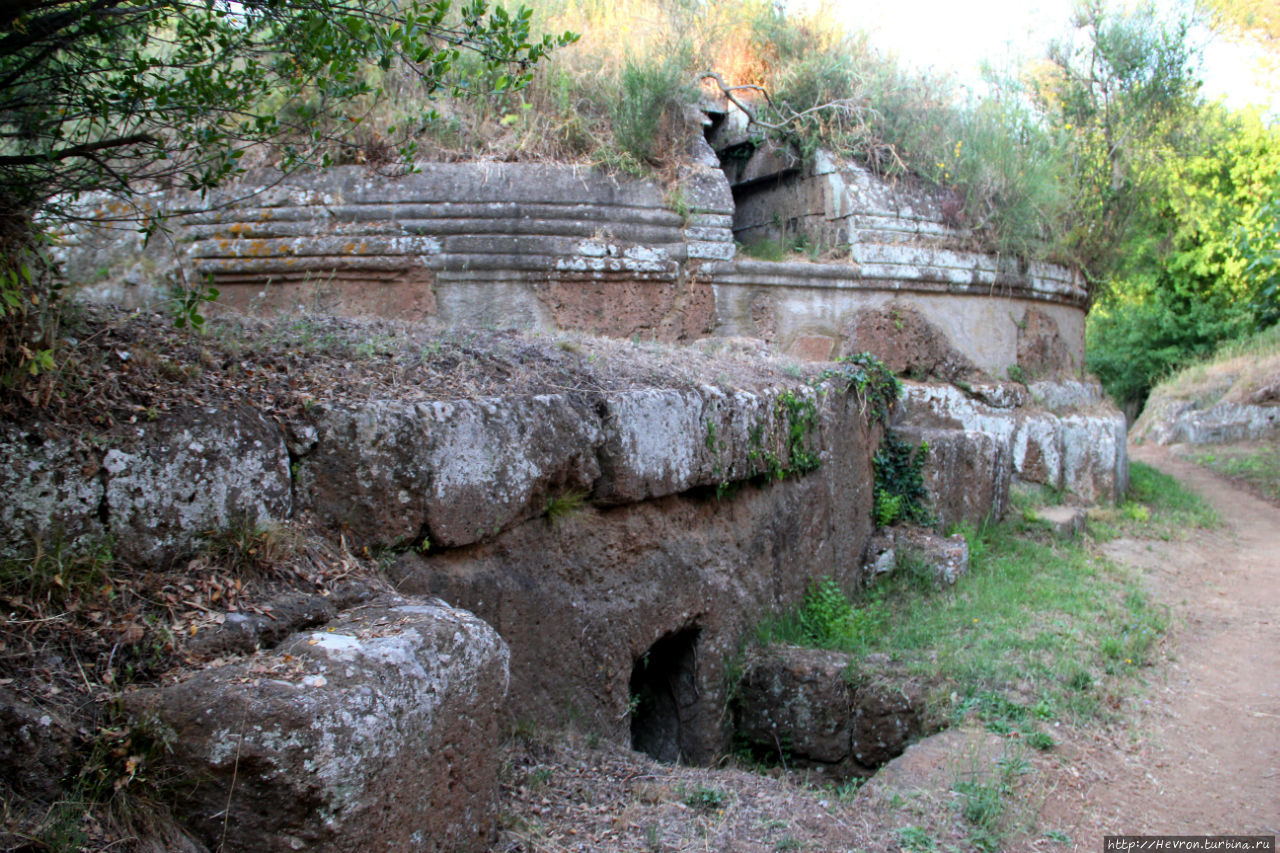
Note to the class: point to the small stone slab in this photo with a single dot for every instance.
(1064, 521)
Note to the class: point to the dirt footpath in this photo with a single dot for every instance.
(1201, 755)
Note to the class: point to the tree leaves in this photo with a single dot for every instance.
(107, 94)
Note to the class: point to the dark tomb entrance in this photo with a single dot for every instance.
(663, 694)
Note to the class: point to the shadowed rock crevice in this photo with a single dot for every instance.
(663, 690)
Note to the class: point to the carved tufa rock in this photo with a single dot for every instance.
(377, 732)
(804, 707)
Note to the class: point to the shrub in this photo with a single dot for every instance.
(900, 493)
(651, 94)
(826, 613)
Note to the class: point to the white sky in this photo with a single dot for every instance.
(957, 35)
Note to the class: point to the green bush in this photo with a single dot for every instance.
(826, 614)
(827, 619)
(651, 94)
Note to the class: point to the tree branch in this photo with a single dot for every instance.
(85, 150)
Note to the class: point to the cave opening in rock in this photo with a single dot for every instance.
(663, 693)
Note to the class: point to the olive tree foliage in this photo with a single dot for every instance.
(1126, 93)
(122, 94)
(104, 94)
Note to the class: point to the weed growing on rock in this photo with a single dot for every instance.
(563, 507)
(801, 414)
(826, 613)
(869, 378)
(115, 787)
(985, 800)
(49, 575)
(827, 619)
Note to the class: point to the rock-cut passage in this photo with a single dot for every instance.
(663, 691)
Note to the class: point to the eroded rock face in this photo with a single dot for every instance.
(1059, 434)
(584, 599)
(909, 345)
(809, 708)
(1041, 349)
(1169, 421)
(388, 474)
(377, 732)
(155, 488)
(468, 243)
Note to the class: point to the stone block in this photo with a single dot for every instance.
(455, 472)
(494, 463)
(53, 491)
(366, 477)
(798, 701)
(805, 707)
(1064, 521)
(1037, 450)
(1095, 466)
(966, 472)
(946, 557)
(377, 733)
(170, 482)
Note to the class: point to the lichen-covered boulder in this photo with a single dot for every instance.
(36, 746)
(52, 491)
(1168, 420)
(156, 488)
(173, 481)
(375, 732)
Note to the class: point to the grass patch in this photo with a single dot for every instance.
(828, 620)
(915, 839)
(1156, 505)
(1040, 629)
(247, 547)
(703, 798)
(1257, 467)
(991, 799)
(50, 576)
(1032, 612)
